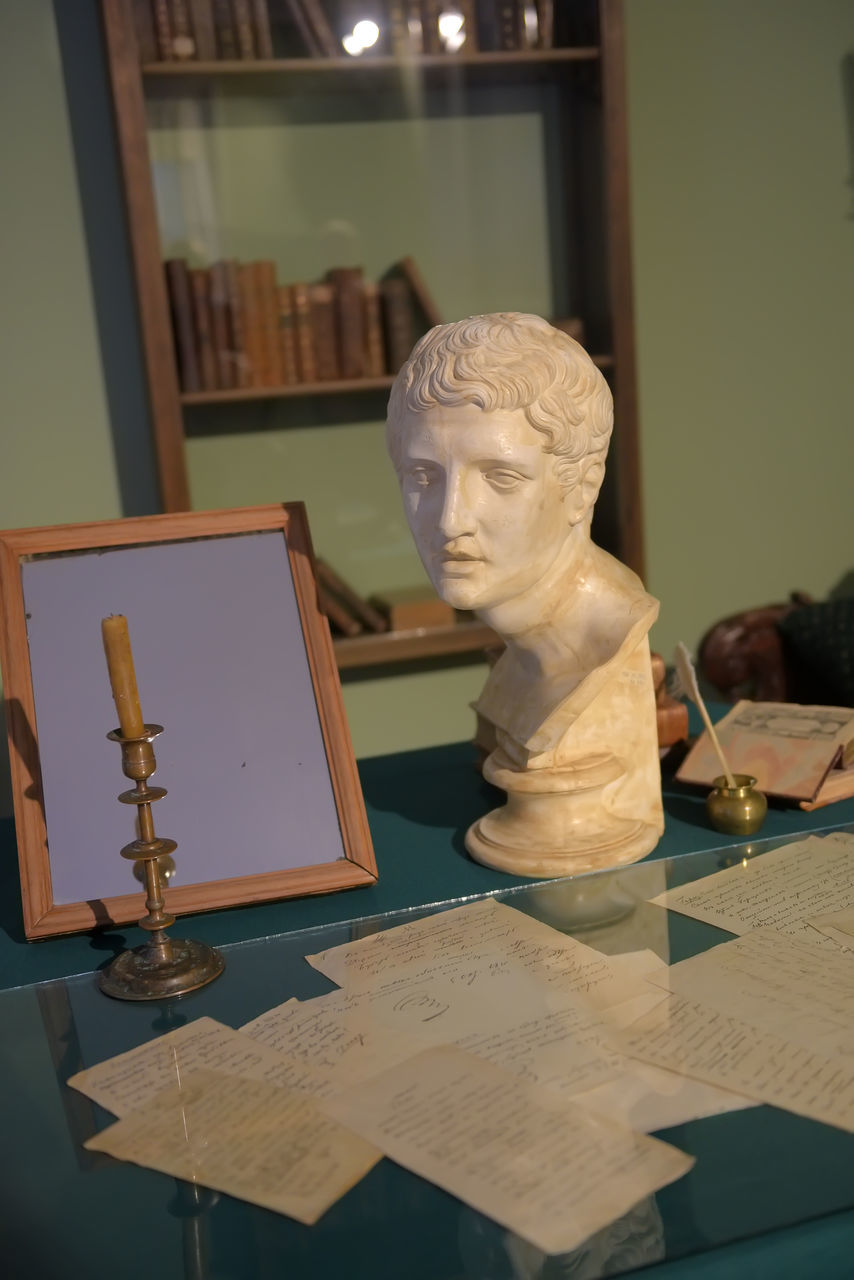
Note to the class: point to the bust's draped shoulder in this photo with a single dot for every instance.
(602, 620)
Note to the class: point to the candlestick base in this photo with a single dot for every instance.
(151, 973)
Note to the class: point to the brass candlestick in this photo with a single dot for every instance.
(163, 966)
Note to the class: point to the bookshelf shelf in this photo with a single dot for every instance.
(545, 127)
(376, 65)
(408, 646)
(331, 388)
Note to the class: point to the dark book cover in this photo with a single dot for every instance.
(421, 293)
(241, 372)
(321, 30)
(146, 35)
(242, 17)
(204, 32)
(268, 301)
(375, 360)
(308, 40)
(322, 298)
(163, 30)
(349, 319)
(226, 37)
(398, 321)
(253, 325)
(183, 44)
(337, 614)
(201, 299)
(306, 363)
(353, 602)
(261, 28)
(287, 336)
(181, 308)
(221, 329)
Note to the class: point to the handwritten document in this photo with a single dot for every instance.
(728, 1052)
(487, 936)
(837, 925)
(791, 988)
(544, 1169)
(337, 1034)
(777, 890)
(252, 1139)
(130, 1080)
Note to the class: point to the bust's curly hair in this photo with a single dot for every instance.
(509, 360)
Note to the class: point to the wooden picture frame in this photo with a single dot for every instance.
(233, 658)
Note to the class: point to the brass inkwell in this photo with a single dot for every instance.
(163, 966)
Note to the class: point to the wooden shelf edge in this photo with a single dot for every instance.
(272, 66)
(340, 387)
(373, 649)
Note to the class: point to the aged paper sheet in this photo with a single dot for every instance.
(545, 1170)
(837, 925)
(486, 935)
(491, 980)
(791, 988)
(251, 1139)
(726, 1051)
(777, 890)
(130, 1080)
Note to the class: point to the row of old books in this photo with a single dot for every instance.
(245, 30)
(237, 327)
(406, 609)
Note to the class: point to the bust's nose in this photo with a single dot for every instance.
(458, 516)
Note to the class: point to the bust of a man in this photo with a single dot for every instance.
(498, 427)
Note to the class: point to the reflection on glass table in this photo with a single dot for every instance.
(66, 1210)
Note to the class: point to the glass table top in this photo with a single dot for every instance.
(66, 1211)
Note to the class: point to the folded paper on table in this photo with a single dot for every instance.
(802, 753)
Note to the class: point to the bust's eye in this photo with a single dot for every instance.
(502, 480)
(421, 477)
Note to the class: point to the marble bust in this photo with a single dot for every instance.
(498, 427)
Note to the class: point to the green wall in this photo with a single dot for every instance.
(743, 223)
(741, 155)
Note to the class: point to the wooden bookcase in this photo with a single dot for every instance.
(587, 164)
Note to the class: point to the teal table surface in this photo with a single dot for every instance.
(419, 805)
(771, 1194)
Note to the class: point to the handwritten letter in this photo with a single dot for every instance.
(545, 1170)
(777, 890)
(254, 1140)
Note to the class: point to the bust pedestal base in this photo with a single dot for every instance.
(555, 821)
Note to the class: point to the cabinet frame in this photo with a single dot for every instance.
(166, 401)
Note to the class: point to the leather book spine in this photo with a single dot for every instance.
(306, 363)
(359, 608)
(262, 30)
(226, 38)
(322, 31)
(545, 24)
(511, 18)
(430, 38)
(163, 30)
(222, 341)
(398, 321)
(287, 336)
(374, 345)
(253, 325)
(268, 299)
(200, 292)
(349, 319)
(181, 307)
(336, 613)
(422, 294)
(242, 17)
(204, 32)
(309, 39)
(322, 297)
(241, 373)
(146, 35)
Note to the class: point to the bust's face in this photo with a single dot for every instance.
(483, 502)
